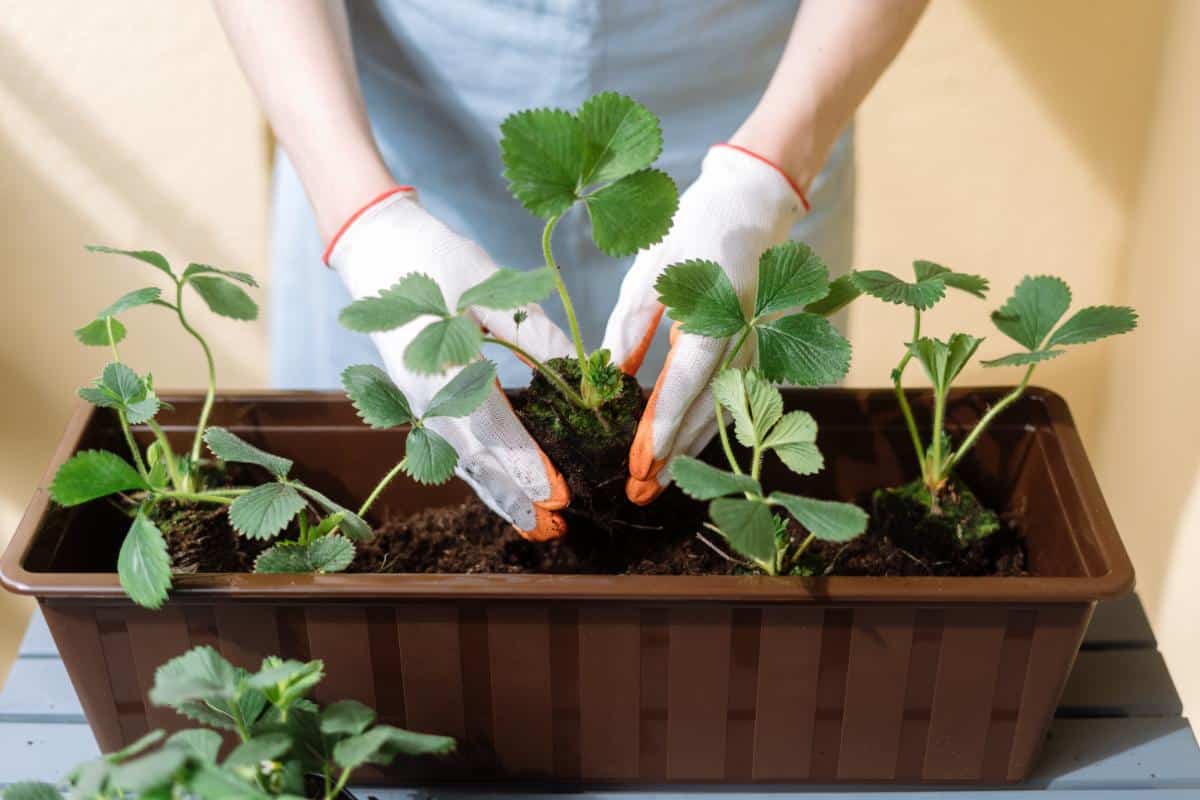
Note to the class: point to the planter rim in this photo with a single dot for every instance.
(206, 588)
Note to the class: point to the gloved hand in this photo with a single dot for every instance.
(739, 206)
(497, 457)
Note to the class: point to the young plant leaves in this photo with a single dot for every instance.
(233, 275)
(121, 388)
(332, 553)
(971, 284)
(351, 524)
(794, 440)
(705, 482)
(143, 565)
(224, 297)
(1036, 306)
(842, 292)
(753, 403)
(921, 295)
(378, 401)
(150, 257)
(428, 458)
(200, 675)
(1092, 323)
(346, 718)
(1023, 358)
(543, 152)
(699, 296)
(802, 349)
(90, 474)
(446, 343)
(252, 752)
(95, 333)
(508, 288)
(749, 527)
(790, 275)
(138, 297)
(381, 744)
(265, 510)
(944, 360)
(414, 295)
(632, 213)
(464, 392)
(824, 519)
(31, 790)
(622, 137)
(199, 743)
(283, 558)
(228, 446)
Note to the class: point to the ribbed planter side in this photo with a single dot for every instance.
(635, 693)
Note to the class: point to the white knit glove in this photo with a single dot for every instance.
(497, 457)
(739, 206)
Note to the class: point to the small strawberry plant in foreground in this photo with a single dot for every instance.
(287, 746)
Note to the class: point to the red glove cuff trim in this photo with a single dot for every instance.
(345, 225)
(774, 166)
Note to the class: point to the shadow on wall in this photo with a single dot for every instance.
(1095, 66)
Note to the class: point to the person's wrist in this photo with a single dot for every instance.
(792, 145)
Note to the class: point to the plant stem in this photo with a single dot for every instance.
(341, 783)
(133, 445)
(223, 498)
(167, 453)
(568, 307)
(986, 420)
(934, 476)
(379, 487)
(720, 414)
(550, 374)
(902, 400)
(210, 395)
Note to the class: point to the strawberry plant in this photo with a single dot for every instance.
(286, 745)
(792, 342)
(599, 157)
(158, 474)
(1030, 317)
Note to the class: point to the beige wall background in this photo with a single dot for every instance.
(1011, 137)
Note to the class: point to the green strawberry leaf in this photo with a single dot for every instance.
(509, 288)
(705, 482)
(543, 151)
(150, 257)
(90, 474)
(414, 295)
(794, 440)
(200, 675)
(95, 333)
(331, 553)
(824, 519)
(1023, 358)
(378, 401)
(1036, 306)
(971, 284)
(138, 297)
(698, 295)
(139, 746)
(155, 771)
(748, 527)
(802, 349)
(31, 790)
(428, 458)
(200, 744)
(842, 292)
(443, 344)
(622, 136)
(233, 275)
(346, 718)
(921, 295)
(943, 361)
(752, 401)
(465, 392)
(225, 297)
(252, 752)
(1092, 323)
(790, 275)
(381, 744)
(283, 558)
(632, 213)
(228, 446)
(265, 510)
(143, 565)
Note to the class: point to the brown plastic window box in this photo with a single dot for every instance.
(625, 679)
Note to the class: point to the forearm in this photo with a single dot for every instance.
(836, 51)
(298, 60)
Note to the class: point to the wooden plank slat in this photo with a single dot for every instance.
(697, 692)
(39, 690)
(1120, 683)
(522, 714)
(609, 690)
(880, 643)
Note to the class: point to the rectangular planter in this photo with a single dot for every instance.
(625, 679)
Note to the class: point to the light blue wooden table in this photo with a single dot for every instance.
(1119, 733)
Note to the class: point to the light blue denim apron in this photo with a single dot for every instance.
(438, 77)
